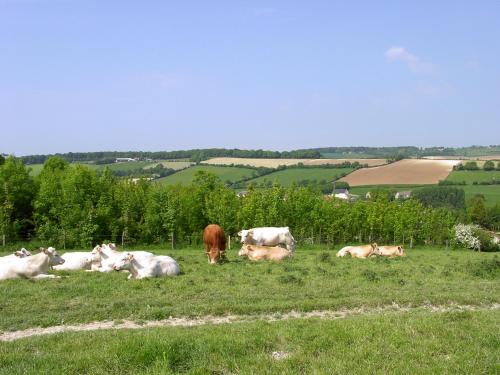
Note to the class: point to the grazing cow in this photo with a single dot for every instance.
(256, 253)
(15, 255)
(33, 267)
(358, 251)
(214, 240)
(390, 251)
(268, 236)
(141, 268)
(104, 257)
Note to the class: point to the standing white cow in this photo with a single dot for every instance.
(268, 236)
(141, 268)
(33, 267)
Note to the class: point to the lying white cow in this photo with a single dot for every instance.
(390, 251)
(33, 267)
(78, 260)
(15, 255)
(363, 251)
(256, 253)
(141, 268)
(268, 236)
(105, 256)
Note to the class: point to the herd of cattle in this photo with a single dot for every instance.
(257, 244)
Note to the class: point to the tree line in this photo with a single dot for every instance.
(72, 206)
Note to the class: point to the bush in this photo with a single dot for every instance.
(474, 237)
(471, 166)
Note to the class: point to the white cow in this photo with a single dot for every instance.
(78, 260)
(268, 236)
(144, 267)
(33, 267)
(106, 255)
(15, 255)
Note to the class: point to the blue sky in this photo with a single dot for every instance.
(167, 75)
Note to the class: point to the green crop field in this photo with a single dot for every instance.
(394, 340)
(470, 176)
(290, 175)
(185, 176)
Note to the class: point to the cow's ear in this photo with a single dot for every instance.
(46, 251)
(130, 256)
(399, 247)
(240, 233)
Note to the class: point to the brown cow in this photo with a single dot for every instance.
(215, 243)
(390, 251)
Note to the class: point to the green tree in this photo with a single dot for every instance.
(477, 212)
(489, 165)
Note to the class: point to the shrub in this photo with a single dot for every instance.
(489, 165)
(474, 237)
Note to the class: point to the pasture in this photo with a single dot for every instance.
(186, 176)
(474, 176)
(402, 334)
(403, 172)
(289, 176)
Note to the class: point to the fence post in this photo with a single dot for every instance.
(411, 242)
(3, 240)
(229, 242)
(123, 237)
(172, 239)
(64, 239)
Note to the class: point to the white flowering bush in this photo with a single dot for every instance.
(465, 235)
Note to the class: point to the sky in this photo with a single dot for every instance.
(280, 75)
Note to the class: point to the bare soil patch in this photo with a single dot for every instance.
(403, 172)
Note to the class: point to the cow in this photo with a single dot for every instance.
(104, 257)
(268, 236)
(390, 251)
(145, 267)
(32, 267)
(256, 253)
(363, 251)
(15, 255)
(78, 260)
(214, 240)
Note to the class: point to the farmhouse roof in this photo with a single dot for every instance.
(340, 191)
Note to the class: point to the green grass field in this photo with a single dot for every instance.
(408, 343)
(470, 176)
(290, 175)
(185, 176)
(416, 341)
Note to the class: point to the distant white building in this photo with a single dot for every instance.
(341, 194)
(124, 160)
(403, 195)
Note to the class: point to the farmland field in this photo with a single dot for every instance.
(288, 176)
(403, 172)
(177, 165)
(224, 173)
(404, 333)
(275, 163)
(470, 176)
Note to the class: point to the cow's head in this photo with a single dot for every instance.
(124, 262)
(375, 249)
(22, 253)
(246, 236)
(244, 251)
(54, 257)
(401, 250)
(214, 255)
(95, 254)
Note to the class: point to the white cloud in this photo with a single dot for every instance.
(415, 64)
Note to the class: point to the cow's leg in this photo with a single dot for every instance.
(45, 276)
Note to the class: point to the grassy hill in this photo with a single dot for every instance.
(471, 176)
(290, 175)
(185, 176)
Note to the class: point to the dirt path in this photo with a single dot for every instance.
(229, 319)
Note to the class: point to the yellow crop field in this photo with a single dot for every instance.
(403, 172)
(275, 163)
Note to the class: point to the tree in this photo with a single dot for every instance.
(477, 212)
(489, 165)
(471, 166)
